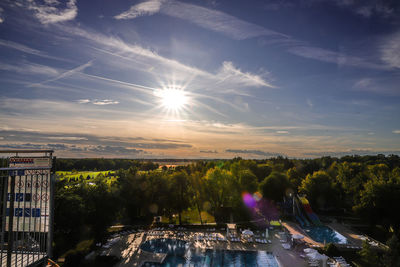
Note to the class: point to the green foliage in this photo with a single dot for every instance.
(392, 255)
(84, 208)
(377, 201)
(294, 177)
(274, 186)
(331, 250)
(74, 257)
(320, 189)
(369, 256)
(247, 181)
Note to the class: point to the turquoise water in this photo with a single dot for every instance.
(325, 234)
(217, 258)
(165, 245)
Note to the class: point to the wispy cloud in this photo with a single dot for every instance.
(378, 85)
(206, 18)
(30, 68)
(20, 47)
(390, 50)
(209, 151)
(141, 9)
(27, 50)
(253, 152)
(337, 58)
(366, 8)
(396, 131)
(64, 74)
(363, 83)
(238, 29)
(2, 17)
(231, 74)
(48, 12)
(228, 79)
(98, 102)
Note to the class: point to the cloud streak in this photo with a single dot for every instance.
(238, 29)
(50, 11)
(64, 74)
(390, 50)
(98, 102)
(203, 17)
(145, 8)
(337, 58)
(30, 68)
(252, 152)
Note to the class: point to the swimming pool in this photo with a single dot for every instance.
(165, 245)
(325, 234)
(209, 257)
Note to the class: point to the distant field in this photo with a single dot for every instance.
(67, 175)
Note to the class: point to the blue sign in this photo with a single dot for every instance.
(20, 197)
(27, 212)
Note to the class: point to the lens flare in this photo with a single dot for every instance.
(248, 200)
(172, 99)
(257, 196)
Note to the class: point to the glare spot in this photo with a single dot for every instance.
(171, 98)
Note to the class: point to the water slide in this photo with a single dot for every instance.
(299, 216)
(309, 212)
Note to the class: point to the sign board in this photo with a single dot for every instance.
(31, 195)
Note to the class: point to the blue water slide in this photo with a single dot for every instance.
(300, 221)
(300, 214)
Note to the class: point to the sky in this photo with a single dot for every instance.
(200, 79)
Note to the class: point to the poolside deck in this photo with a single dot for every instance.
(294, 228)
(127, 248)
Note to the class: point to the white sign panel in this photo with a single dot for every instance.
(31, 197)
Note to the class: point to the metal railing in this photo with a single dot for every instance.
(26, 209)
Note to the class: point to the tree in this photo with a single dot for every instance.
(369, 257)
(320, 190)
(68, 218)
(392, 255)
(274, 186)
(262, 171)
(180, 198)
(219, 188)
(247, 181)
(377, 201)
(197, 184)
(295, 177)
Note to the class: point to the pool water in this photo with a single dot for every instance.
(217, 258)
(325, 234)
(165, 245)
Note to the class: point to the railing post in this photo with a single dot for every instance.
(10, 244)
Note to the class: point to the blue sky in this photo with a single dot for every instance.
(255, 78)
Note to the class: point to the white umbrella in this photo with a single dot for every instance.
(309, 250)
(247, 232)
(297, 236)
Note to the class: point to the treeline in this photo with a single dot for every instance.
(367, 186)
(101, 164)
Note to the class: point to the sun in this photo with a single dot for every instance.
(172, 99)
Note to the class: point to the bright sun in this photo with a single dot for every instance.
(172, 99)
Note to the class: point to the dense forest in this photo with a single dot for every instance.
(363, 187)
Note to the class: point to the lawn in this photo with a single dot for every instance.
(85, 174)
(190, 216)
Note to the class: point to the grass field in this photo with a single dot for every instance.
(190, 217)
(67, 175)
